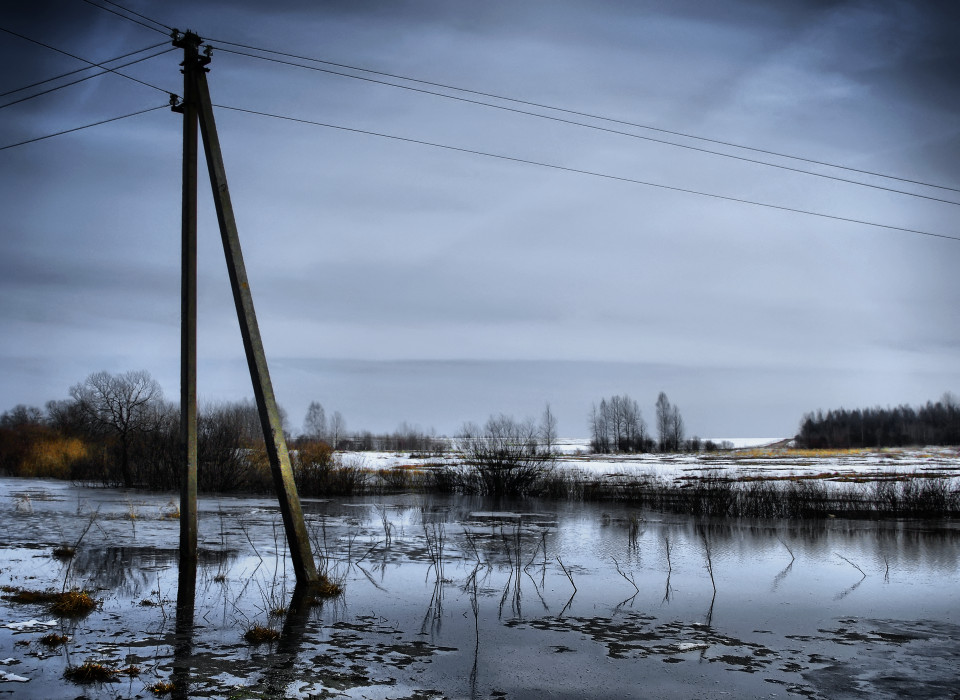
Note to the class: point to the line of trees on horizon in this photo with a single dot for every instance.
(118, 430)
(931, 424)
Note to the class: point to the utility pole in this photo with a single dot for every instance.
(297, 538)
(190, 43)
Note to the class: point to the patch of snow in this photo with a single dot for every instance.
(12, 677)
(29, 625)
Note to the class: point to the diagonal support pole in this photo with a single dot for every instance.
(296, 531)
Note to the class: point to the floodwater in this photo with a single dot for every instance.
(464, 598)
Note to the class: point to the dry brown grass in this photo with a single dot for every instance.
(161, 688)
(62, 603)
(258, 634)
(53, 639)
(91, 672)
(327, 588)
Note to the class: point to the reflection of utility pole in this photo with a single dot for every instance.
(198, 92)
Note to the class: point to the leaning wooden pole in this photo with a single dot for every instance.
(297, 537)
(192, 62)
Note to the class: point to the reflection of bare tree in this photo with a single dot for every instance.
(121, 569)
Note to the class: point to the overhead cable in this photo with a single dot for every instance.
(596, 116)
(97, 75)
(592, 173)
(131, 19)
(78, 70)
(85, 126)
(91, 63)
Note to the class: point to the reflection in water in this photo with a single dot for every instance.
(183, 631)
(418, 565)
(282, 669)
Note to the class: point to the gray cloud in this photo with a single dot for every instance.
(399, 282)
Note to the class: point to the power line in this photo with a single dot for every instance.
(97, 75)
(78, 70)
(85, 126)
(91, 63)
(594, 116)
(600, 128)
(592, 173)
(129, 19)
(134, 12)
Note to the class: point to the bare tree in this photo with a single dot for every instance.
(676, 429)
(119, 405)
(504, 455)
(315, 422)
(600, 428)
(338, 426)
(548, 429)
(664, 418)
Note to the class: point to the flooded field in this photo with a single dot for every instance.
(461, 597)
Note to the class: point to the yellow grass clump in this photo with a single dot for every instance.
(62, 604)
(258, 634)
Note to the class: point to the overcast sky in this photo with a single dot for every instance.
(402, 282)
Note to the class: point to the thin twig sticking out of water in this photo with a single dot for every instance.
(852, 564)
(629, 578)
(707, 552)
(385, 521)
(792, 557)
(243, 529)
(560, 561)
(631, 581)
(886, 573)
(83, 533)
(666, 594)
(435, 547)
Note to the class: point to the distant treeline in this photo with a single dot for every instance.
(117, 430)
(932, 424)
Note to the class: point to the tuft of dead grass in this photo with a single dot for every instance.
(62, 603)
(258, 634)
(91, 672)
(53, 639)
(327, 588)
(161, 688)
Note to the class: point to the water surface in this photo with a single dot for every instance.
(462, 597)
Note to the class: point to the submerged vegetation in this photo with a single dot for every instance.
(59, 603)
(97, 672)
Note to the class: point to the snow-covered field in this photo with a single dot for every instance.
(751, 457)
